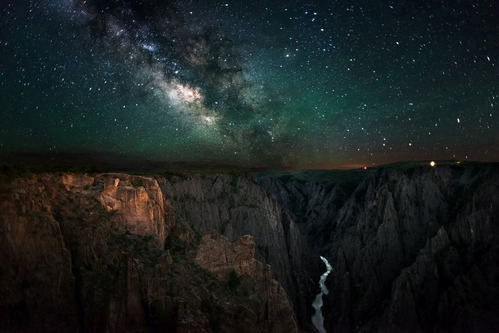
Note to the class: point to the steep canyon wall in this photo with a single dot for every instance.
(413, 248)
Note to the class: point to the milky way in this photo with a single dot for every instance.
(283, 84)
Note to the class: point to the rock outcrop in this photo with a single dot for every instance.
(235, 264)
(137, 203)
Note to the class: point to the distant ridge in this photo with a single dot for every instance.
(116, 162)
(107, 161)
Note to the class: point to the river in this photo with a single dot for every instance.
(317, 318)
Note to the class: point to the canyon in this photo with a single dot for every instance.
(413, 248)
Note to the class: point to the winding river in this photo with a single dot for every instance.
(317, 318)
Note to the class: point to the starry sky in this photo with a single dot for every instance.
(270, 84)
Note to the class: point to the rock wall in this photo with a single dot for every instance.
(413, 249)
(236, 265)
(234, 205)
(35, 266)
(107, 253)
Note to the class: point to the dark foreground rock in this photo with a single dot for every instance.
(413, 248)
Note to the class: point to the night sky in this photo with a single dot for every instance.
(272, 84)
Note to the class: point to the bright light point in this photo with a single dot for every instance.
(458, 120)
(432, 163)
(365, 168)
(209, 120)
(149, 47)
(287, 55)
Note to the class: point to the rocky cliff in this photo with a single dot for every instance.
(235, 204)
(236, 265)
(108, 253)
(413, 248)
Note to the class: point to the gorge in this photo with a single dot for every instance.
(412, 248)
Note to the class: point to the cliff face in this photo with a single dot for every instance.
(236, 265)
(412, 250)
(35, 265)
(234, 205)
(137, 202)
(106, 253)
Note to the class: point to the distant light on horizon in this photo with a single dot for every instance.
(432, 163)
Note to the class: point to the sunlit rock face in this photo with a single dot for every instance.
(136, 203)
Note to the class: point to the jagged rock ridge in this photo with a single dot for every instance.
(413, 249)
